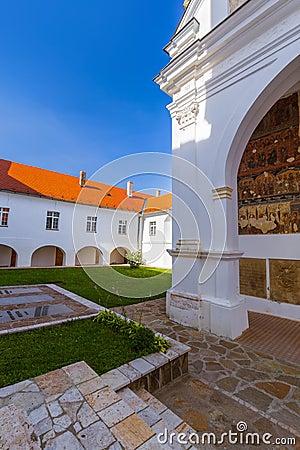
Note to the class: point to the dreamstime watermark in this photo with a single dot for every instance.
(239, 437)
(191, 218)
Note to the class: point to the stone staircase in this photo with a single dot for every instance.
(73, 408)
(165, 425)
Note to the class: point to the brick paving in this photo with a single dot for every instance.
(280, 337)
(228, 381)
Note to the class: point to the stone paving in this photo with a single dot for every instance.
(227, 381)
(73, 408)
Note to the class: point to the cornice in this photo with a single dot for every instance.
(228, 39)
(183, 38)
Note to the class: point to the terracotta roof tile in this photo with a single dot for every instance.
(161, 203)
(23, 179)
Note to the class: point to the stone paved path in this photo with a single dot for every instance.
(227, 381)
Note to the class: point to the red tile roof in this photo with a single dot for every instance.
(161, 203)
(23, 179)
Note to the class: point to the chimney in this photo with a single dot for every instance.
(82, 178)
(158, 192)
(129, 188)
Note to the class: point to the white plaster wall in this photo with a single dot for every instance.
(221, 87)
(27, 232)
(279, 246)
(209, 13)
(155, 247)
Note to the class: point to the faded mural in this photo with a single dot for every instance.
(269, 173)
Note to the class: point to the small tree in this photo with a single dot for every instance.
(135, 259)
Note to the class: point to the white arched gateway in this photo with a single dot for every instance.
(226, 72)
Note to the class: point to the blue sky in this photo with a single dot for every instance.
(76, 87)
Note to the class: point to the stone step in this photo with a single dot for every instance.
(74, 408)
(165, 423)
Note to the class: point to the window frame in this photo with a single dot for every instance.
(52, 220)
(122, 227)
(91, 224)
(152, 228)
(4, 214)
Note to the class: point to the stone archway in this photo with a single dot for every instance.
(8, 256)
(268, 196)
(221, 86)
(47, 256)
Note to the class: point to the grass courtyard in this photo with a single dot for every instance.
(28, 354)
(87, 282)
(32, 353)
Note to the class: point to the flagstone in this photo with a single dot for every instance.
(86, 415)
(90, 386)
(38, 414)
(229, 384)
(133, 400)
(16, 430)
(256, 398)
(80, 372)
(149, 416)
(54, 408)
(132, 432)
(53, 382)
(96, 436)
(115, 413)
(102, 399)
(277, 389)
(65, 441)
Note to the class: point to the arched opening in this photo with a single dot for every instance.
(48, 256)
(117, 256)
(8, 256)
(264, 164)
(89, 256)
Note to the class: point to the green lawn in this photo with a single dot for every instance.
(126, 285)
(26, 355)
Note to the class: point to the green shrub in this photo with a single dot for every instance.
(134, 259)
(140, 337)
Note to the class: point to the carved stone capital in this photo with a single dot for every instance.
(188, 115)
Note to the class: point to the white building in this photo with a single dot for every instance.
(52, 219)
(233, 77)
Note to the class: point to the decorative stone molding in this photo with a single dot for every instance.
(222, 192)
(186, 3)
(188, 248)
(185, 37)
(235, 4)
(187, 116)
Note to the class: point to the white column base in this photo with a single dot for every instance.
(217, 316)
